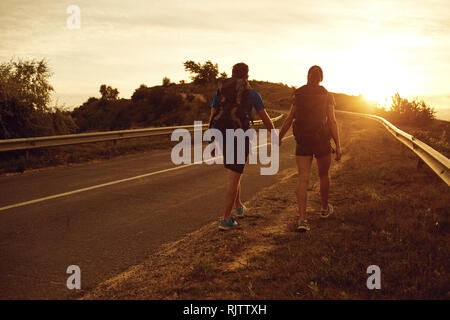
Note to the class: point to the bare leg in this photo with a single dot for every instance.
(234, 179)
(237, 201)
(323, 164)
(304, 169)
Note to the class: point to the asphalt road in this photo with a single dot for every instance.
(108, 229)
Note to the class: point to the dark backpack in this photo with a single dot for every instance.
(232, 107)
(310, 120)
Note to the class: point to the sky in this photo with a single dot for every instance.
(374, 48)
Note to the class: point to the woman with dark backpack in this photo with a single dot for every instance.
(314, 123)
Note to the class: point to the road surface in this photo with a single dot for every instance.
(105, 229)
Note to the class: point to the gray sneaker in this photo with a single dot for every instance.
(240, 212)
(303, 226)
(326, 213)
(227, 225)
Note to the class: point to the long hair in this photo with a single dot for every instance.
(315, 75)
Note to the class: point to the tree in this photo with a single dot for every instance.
(26, 81)
(25, 94)
(109, 93)
(166, 82)
(140, 93)
(202, 73)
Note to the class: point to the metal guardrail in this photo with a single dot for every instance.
(70, 139)
(435, 160)
(439, 163)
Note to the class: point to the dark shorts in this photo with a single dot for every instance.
(233, 165)
(318, 149)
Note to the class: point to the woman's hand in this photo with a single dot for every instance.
(280, 139)
(287, 124)
(338, 153)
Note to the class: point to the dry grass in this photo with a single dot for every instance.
(436, 134)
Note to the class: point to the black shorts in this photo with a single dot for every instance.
(318, 149)
(234, 165)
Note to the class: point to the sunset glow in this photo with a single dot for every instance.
(374, 72)
(373, 48)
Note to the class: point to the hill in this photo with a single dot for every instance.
(177, 104)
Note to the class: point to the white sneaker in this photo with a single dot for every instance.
(326, 213)
(303, 226)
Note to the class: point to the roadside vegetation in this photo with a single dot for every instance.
(25, 94)
(418, 119)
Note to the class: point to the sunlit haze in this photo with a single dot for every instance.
(374, 48)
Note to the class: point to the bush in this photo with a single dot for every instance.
(166, 82)
(402, 111)
(160, 105)
(24, 97)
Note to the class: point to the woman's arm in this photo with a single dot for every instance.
(211, 115)
(213, 105)
(266, 119)
(334, 128)
(287, 123)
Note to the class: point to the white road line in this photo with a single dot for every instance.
(59, 195)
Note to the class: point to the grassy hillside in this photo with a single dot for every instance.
(177, 104)
(279, 96)
(436, 134)
(275, 95)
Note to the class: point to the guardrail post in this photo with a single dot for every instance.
(403, 149)
(420, 163)
(26, 159)
(112, 150)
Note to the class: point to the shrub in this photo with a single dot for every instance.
(24, 97)
(415, 112)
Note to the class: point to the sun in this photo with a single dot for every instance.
(372, 70)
